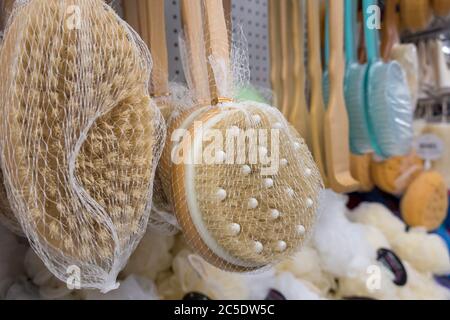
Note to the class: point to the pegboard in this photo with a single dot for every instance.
(252, 15)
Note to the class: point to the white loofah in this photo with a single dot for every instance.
(426, 252)
(151, 256)
(421, 286)
(132, 288)
(379, 216)
(306, 265)
(343, 246)
(192, 273)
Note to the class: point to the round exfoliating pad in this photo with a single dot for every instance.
(235, 214)
(425, 202)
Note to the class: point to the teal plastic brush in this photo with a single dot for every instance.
(387, 99)
(355, 74)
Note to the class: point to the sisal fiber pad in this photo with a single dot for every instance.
(80, 137)
(425, 203)
(235, 214)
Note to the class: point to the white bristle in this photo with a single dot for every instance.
(221, 194)
(309, 202)
(274, 214)
(258, 246)
(246, 170)
(252, 203)
(281, 246)
(301, 230)
(268, 183)
(234, 228)
(283, 162)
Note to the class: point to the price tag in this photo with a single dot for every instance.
(429, 147)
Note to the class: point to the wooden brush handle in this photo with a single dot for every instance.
(317, 109)
(131, 15)
(275, 52)
(143, 20)
(158, 47)
(336, 64)
(286, 57)
(390, 29)
(299, 115)
(192, 21)
(217, 44)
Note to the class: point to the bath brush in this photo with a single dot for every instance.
(354, 86)
(336, 131)
(317, 108)
(425, 202)
(235, 213)
(415, 15)
(388, 100)
(395, 174)
(80, 137)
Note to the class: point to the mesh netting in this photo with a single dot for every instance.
(80, 137)
(242, 182)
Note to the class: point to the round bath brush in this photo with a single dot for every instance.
(80, 138)
(395, 174)
(234, 211)
(388, 100)
(425, 202)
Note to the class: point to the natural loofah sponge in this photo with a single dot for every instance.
(426, 252)
(380, 217)
(425, 203)
(79, 135)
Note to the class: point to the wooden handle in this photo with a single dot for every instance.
(158, 47)
(192, 21)
(131, 15)
(275, 51)
(217, 39)
(337, 61)
(299, 115)
(390, 29)
(286, 56)
(317, 109)
(336, 118)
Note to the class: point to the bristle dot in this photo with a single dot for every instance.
(268, 183)
(290, 192)
(309, 202)
(246, 170)
(297, 145)
(274, 214)
(281, 246)
(258, 247)
(221, 194)
(234, 229)
(283, 162)
(308, 172)
(252, 203)
(301, 230)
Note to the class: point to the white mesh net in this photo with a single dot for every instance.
(80, 137)
(242, 182)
